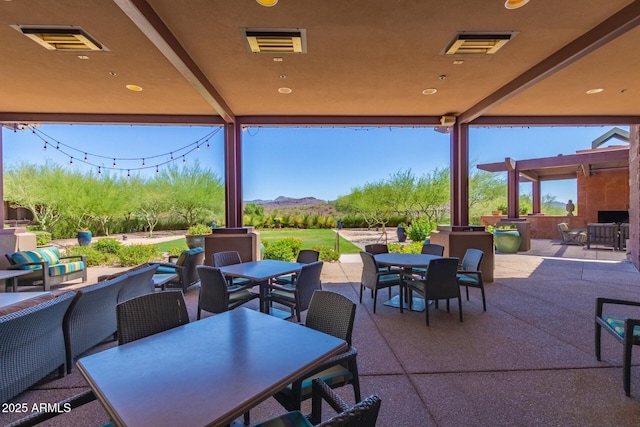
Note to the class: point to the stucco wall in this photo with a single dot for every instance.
(634, 196)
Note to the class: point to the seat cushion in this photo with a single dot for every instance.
(617, 323)
(239, 296)
(290, 419)
(283, 295)
(164, 269)
(469, 280)
(334, 376)
(50, 255)
(65, 268)
(26, 257)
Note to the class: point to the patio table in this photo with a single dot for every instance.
(10, 278)
(160, 280)
(207, 372)
(10, 298)
(261, 272)
(407, 262)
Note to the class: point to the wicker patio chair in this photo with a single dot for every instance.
(440, 282)
(149, 314)
(377, 248)
(305, 256)
(184, 267)
(220, 259)
(216, 296)
(332, 314)
(375, 278)
(363, 413)
(625, 330)
(432, 249)
(469, 274)
(297, 295)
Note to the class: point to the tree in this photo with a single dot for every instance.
(38, 188)
(432, 194)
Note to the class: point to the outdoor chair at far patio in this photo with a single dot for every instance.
(625, 330)
(297, 295)
(440, 282)
(363, 413)
(220, 259)
(432, 249)
(216, 296)
(184, 266)
(375, 278)
(571, 237)
(469, 274)
(305, 256)
(333, 314)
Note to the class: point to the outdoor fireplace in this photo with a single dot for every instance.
(613, 216)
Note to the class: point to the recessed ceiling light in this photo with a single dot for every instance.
(429, 91)
(134, 88)
(592, 91)
(267, 3)
(277, 59)
(83, 57)
(458, 62)
(515, 4)
(284, 90)
(113, 73)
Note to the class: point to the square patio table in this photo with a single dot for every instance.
(11, 277)
(407, 262)
(10, 298)
(208, 372)
(261, 272)
(160, 280)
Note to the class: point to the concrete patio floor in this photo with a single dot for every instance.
(528, 361)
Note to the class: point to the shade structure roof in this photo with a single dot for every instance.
(360, 59)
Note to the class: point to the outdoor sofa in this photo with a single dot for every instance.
(32, 344)
(48, 267)
(91, 318)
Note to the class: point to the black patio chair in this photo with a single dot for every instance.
(439, 283)
(333, 314)
(297, 296)
(469, 274)
(305, 256)
(216, 296)
(222, 258)
(374, 278)
(363, 413)
(624, 329)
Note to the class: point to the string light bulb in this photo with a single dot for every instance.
(85, 157)
(71, 160)
(99, 171)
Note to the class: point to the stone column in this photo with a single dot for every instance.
(634, 195)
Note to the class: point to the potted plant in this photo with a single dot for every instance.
(195, 235)
(84, 237)
(500, 209)
(401, 231)
(506, 238)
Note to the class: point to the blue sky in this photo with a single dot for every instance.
(295, 162)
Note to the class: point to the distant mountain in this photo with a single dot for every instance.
(288, 202)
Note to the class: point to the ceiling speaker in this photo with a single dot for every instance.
(448, 120)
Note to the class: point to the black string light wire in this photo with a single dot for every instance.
(180, 153)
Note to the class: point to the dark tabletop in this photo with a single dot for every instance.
(207, 372)
(404, 260)
(260, 271)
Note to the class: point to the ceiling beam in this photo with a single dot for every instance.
(338, 120)
(152, 26)
(556, 121)
(617, 24)
(121, 119)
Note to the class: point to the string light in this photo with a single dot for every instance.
(181, 152)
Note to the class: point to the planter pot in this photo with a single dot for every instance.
(84, 238)
(402, 236)
(506, 241)
(195, 241)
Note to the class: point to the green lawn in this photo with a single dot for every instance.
(310, 238)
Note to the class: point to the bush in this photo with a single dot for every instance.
(199, 230)
(107, 245)
(42, 237)
(133, 255)
(419, 230)
(278, 250)
(327, 253)
(93, 256)
(411, 248)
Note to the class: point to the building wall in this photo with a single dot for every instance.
(602, 191)
(634, 195)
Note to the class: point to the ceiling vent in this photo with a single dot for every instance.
(61, 38)
(276, 40)
(478, 43)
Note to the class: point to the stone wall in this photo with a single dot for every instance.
(602, 191)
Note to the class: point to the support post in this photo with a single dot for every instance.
(460, 174)
(233, 175)
(513, 188)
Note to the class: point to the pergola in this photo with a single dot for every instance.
(448, 65)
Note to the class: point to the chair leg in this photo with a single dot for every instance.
(597, 340)
(375, 300)
(426, 309)
(401, 300)
(361, 290)
(484, 301)
(198, 317)
(628, 346)
(467, 288)
(353, 367)
(247, 418)
(459, 307)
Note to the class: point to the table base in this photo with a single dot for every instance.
(417, 303)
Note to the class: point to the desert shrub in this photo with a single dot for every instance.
(278, 250)
(132, 255)
(419, 230)
(107, 245)
(175, 250)
(42, 237)
(327, 253)
(93, 256)
(411, 248)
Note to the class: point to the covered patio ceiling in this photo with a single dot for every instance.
(374, 62)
